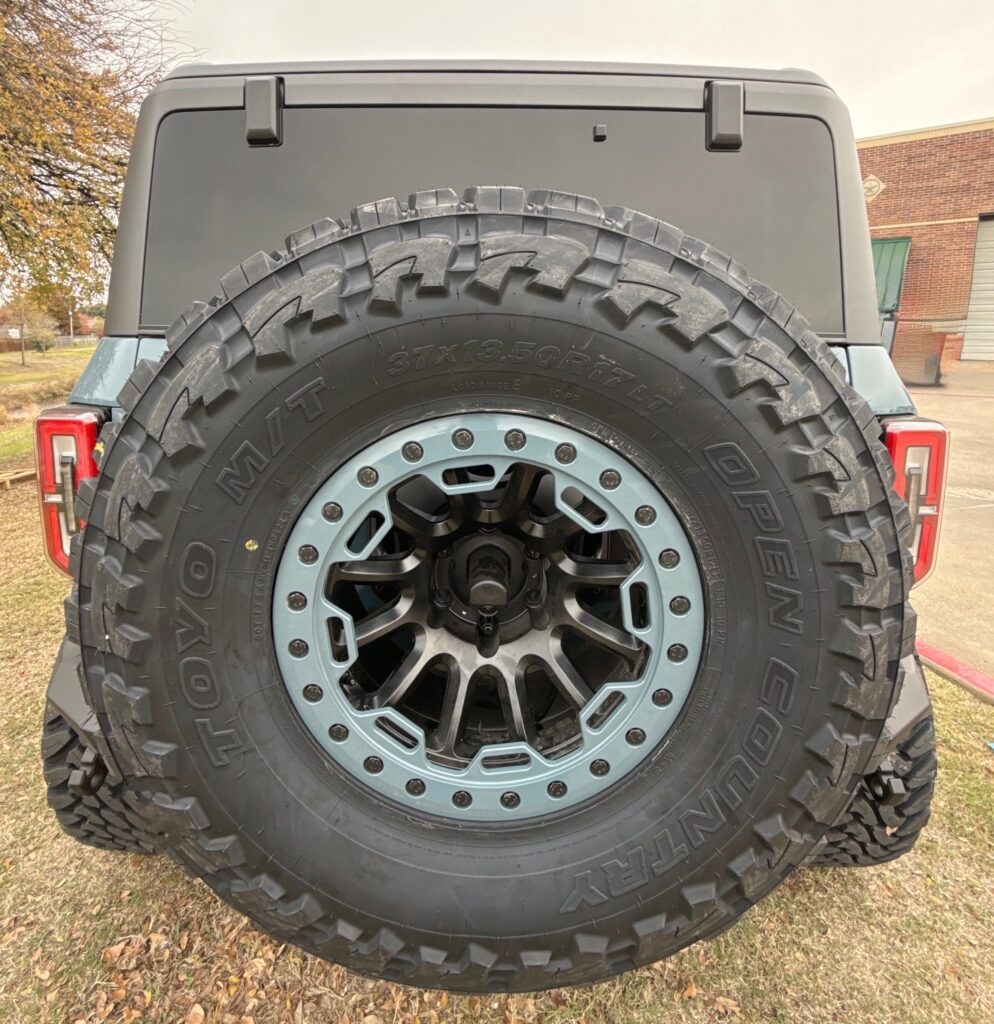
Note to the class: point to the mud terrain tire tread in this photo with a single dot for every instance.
(104, 820)
(208, 355)
(874, 832)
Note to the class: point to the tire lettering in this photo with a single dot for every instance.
(731, 464)
(629, 872)
(196, 678)
(242, 472)
(785, 612)
(217, 743)
(197, 567)
(575, 361)
(761, 506)
(306, 400)
(190, 627)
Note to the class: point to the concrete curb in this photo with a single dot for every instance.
(978, 683)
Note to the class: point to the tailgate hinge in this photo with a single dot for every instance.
(725, 106)
(264, 111)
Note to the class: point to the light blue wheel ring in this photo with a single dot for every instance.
(652, 703)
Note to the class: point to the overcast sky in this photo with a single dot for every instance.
(898, 65)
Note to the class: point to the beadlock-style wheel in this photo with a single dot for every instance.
(488, 617)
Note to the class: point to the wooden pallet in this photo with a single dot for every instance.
(15, 476)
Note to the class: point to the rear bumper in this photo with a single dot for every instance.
(65, 692)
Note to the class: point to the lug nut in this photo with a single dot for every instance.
(461, 798)
(368, 476)
(463, 439)
(515, 440)
(510, 800)
(338, 732)
(610, 479)
(599, 767)
(332, 511)
(298, 648)
(415, 787)
(661, 698)
(636, 737)
(556, 789)
(645, 516)
(313, 693)
(677, 652)
(373, 765)
(296, 601)
(679, 606)
(669, 559)
(308, 554)
(413, 452)
(565, 454)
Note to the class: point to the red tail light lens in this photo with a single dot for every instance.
(919, 450)
(64, 443)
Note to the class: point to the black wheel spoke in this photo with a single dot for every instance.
(593, 573)
(399, 683)
(378, 570)
(618, 641)
(430, 531)
(383, 622)
(518, 713)
(564, 674)
(516, 497)
(455, 705)
(550, 533)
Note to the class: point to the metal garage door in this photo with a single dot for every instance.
(979, 340)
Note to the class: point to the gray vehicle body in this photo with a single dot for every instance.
(228, 160)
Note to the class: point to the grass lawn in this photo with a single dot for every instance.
(17, 445)
(46, 380)
(89, 936)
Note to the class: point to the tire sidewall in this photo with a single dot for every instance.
(688, 815)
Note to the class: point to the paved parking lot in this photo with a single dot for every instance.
(954, 605)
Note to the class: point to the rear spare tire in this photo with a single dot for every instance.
(493, 593)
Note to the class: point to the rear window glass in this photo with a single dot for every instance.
(215, 200)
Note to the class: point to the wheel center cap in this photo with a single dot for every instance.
(489, 577)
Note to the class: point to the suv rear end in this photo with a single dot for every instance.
(418, 370)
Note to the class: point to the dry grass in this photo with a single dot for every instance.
(46, 380)
(92, 936)
(47, 375)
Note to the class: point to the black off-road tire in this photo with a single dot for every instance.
(103, 819)
(875, 829)
(542, 304)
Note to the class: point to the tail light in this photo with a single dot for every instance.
(64, 443)
(919, 450)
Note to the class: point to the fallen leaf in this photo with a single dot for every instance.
(195, 1015)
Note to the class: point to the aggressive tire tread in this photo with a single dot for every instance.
(555, 242)
(875, 831)
(104, 820)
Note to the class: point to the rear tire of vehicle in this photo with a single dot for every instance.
(543, 305)
(103, 819)
(875, 831)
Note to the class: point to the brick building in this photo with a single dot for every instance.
(930, 200)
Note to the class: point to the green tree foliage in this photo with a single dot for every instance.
(71, 75)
